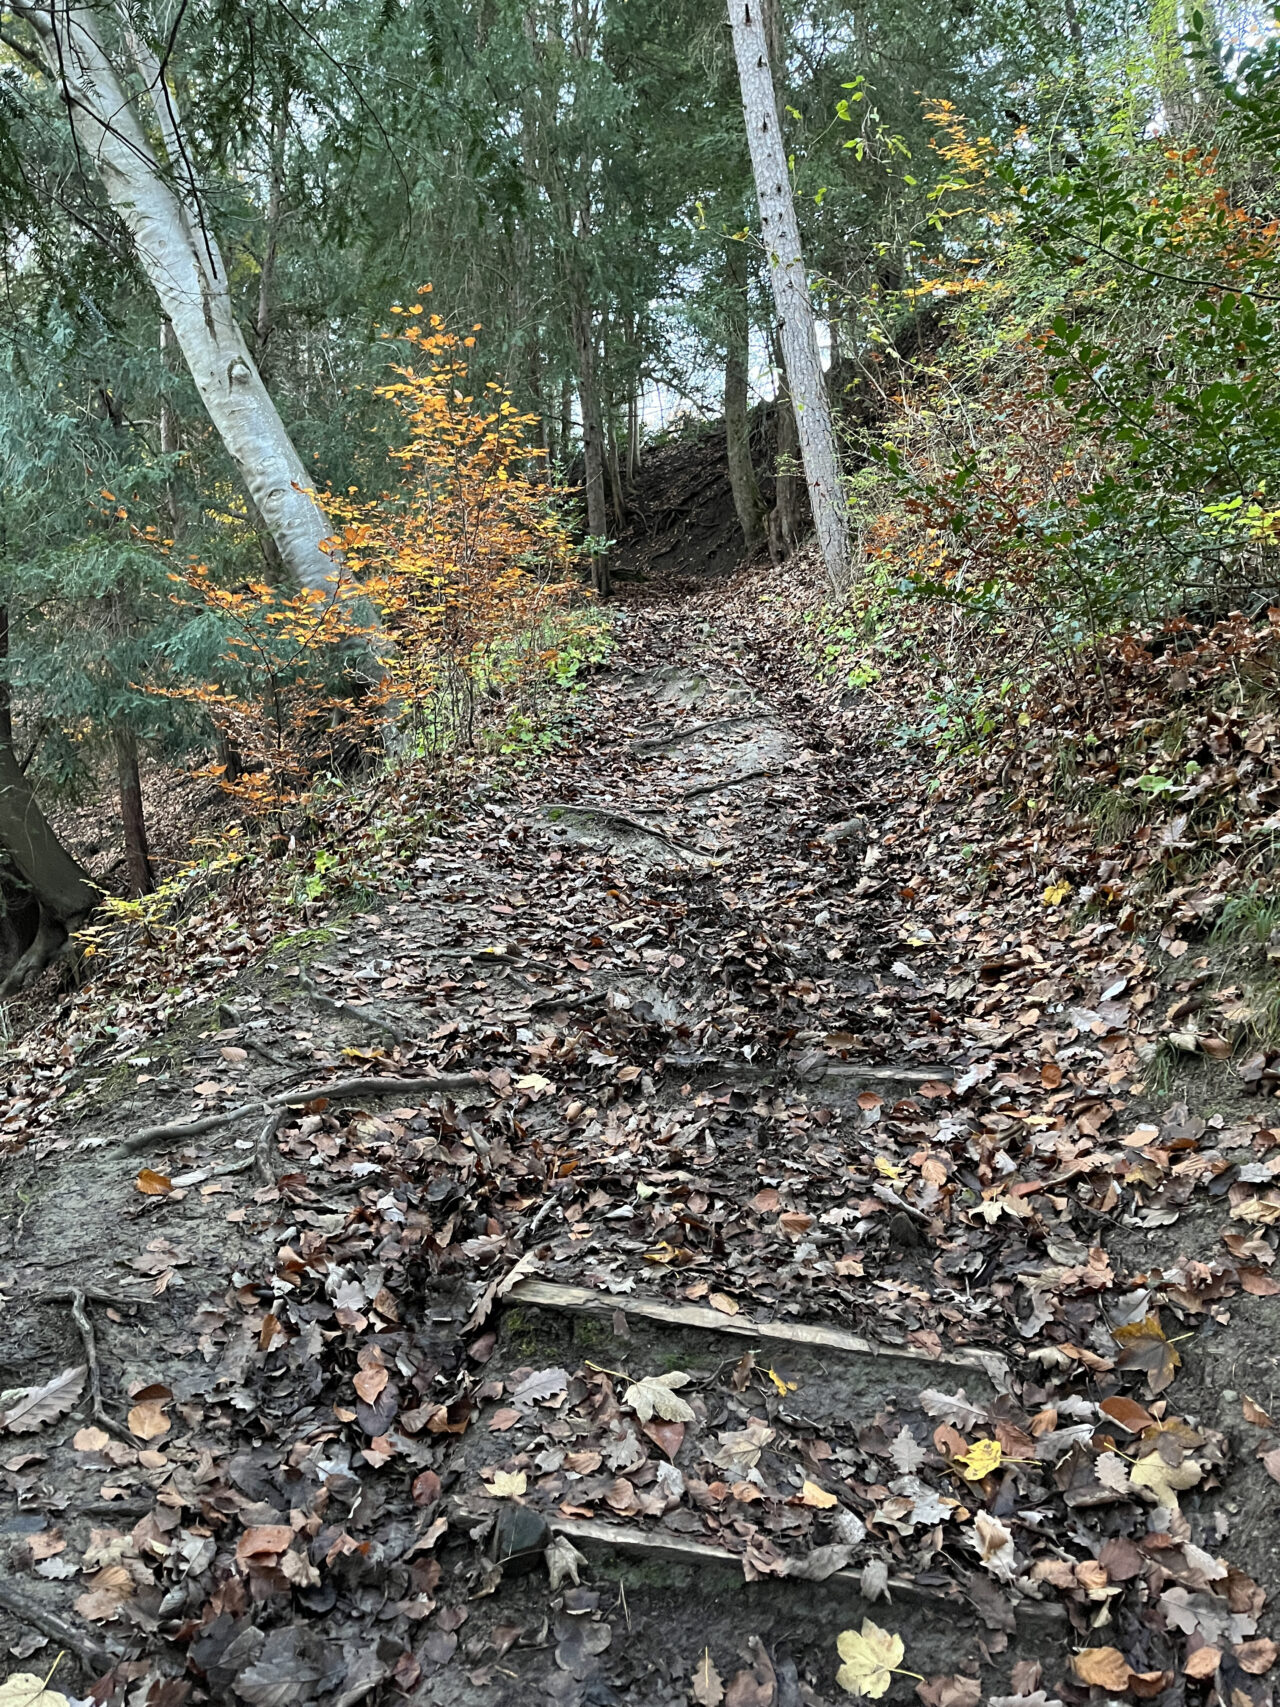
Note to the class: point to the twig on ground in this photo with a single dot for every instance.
(90, 1653)
(261, 1158)
(176, 1130)
(729, 782)
(320, 1000)
(80, 1316)
(378, 1087)
(659, 743)
(608, 815)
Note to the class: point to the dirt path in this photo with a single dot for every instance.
(771, 1166)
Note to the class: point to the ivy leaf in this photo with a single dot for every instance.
(870, 1657)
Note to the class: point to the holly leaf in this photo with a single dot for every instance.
(870, 1657)
(30, 1408)
(653, 1396)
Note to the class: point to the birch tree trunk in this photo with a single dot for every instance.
(747, 502)
(182, 260)
(796, 334)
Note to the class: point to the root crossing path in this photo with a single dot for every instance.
(683, 1219)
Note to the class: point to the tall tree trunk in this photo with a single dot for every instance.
(633, 432)
(137, 855)
(566, 419)
(617, 496)
(747, 501)
(170, 441)
(6, 685)
(181, 258)
(584, 340)
(781, 236)
(66, 896)
(275, 211)
(785, 522)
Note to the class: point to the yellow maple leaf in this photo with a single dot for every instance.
(507, 1484)
(870, 1658)
(980, 1460)
(1056, 894)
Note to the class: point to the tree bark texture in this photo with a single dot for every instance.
(62, 888)
(747, 501)
(137, 855)
(181, 258)
(780, 232)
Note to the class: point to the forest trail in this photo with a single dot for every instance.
(788, 1234)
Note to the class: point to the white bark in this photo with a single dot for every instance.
(796, 334)
(182, 260)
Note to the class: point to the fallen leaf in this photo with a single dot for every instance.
(980, 1460)
(721, 1301)
(1143, 1346)
(994, 1546)
(370, 1382)
(953, 1408)
(668, 1436)
(263, 1543)
(29, 1408)
(152, 1184)
(906, 1452)
(950, 1690)
(563, 1561)
(870, 1657)
(1254, 1657)
(25, 1689)
(1254, 1413)
(707, 1689)
(812, 1495)
(148, 1421)
(653, 1396)
(1203, 1663)
(106, 1592)
(1164, 1481)
(507, 1484)
(1107, 1667)
(1127, 1412)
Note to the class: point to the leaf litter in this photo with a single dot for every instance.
(808, 1080)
